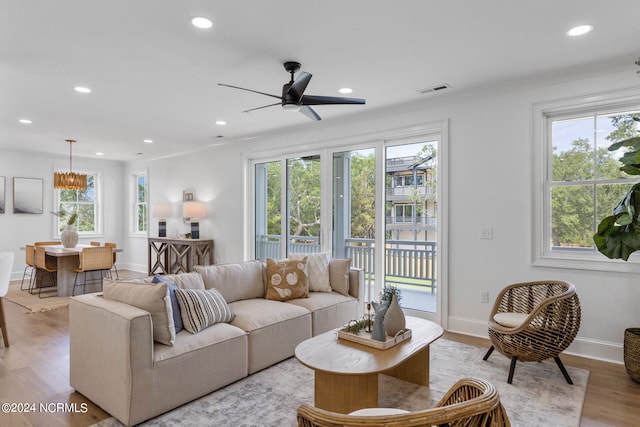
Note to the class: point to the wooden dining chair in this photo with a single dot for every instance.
(113, 246)
(94, 243)
(43, 266)
(30, 268)
(92, 260)
(51, 243)
(6, 264)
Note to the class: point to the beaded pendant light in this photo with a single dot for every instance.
(69, 180)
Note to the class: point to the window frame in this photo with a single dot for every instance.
(136, 203)
(97, 209)
(542, 115)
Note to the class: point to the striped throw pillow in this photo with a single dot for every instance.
(202, 308)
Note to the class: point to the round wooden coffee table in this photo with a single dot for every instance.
(346, 373)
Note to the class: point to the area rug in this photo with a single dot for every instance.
(539, 395)
(33, 303)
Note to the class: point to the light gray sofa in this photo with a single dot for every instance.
(115, 362)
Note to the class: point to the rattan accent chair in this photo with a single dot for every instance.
(45, 265)
(534, 321)
(471, 402)
(93, 259)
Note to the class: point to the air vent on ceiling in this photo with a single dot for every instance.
(436, 88)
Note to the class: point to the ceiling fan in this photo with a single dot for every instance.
(293, 97)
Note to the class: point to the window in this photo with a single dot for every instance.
(84, 203)
(141, 204)
(581, 180)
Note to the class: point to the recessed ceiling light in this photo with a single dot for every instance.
(82, 89)
(221, 122)
(579, 30)
(148, 141)
(25, 121)
(99, 153)
(345, 90)
(201, 22)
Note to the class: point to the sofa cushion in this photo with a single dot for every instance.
(317, 271)
(510, 320)
(202, 308)
(236, 281)
(255, 314)
(153, 298)
(191, 280)
(175, 307)
(286, 279)
(339, 274)
(320, 300)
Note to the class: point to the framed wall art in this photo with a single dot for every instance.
(27, 195)
(2, 193)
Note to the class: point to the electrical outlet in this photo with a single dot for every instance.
(486, 233)
(484, 297)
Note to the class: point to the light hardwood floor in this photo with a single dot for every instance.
(35, 369)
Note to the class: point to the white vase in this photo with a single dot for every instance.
(69, 238)
(394, 320)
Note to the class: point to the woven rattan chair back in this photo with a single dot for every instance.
(553, 314)
(113, 246)
(52, 243)
(44, 265)
(470, 402)
(95, 258)
(94, 243)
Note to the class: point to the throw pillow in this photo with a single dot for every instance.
(317, 270)
(339, 275)
(202, 308)
(153, 298)
(286, 279)
(175, 308)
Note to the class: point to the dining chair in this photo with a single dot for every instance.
(94, 243)
(45, 265)
(113, 246)
(52, 243)
(30, 268)
(93, 259)
(6, 264)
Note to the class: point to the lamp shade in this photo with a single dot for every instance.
(161, 210)
(194, 210)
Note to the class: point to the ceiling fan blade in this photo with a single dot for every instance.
(250, 90)
(309, 112)
(264, 106)
(298, 87)
(326, 100)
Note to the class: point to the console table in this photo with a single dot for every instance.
(172, 256)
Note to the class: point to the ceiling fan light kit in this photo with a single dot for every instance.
(293, 97)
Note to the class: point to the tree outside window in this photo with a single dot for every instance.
(142, 204)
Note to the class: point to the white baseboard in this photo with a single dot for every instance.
(138, 268)
(584, 347)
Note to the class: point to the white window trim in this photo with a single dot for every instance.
(98, 201)
(541, 256)
(133, 197)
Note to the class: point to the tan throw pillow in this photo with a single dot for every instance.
(153, 298)
(286, 279)
(339, 275)
(317, 271)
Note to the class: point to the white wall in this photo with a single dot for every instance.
(490, 184)
(17, 230)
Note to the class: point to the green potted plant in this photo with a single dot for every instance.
(69, 235)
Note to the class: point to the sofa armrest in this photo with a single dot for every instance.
(356, 284)
(111, 352)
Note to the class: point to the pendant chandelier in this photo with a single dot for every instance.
(69, 180)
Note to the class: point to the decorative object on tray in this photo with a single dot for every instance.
(378, 333)
(355, 332)
(394, 320)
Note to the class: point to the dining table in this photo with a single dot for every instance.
(67, 260)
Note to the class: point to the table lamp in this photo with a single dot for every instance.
(193, 211)
(161, 211)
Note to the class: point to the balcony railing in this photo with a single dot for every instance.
(407, 262)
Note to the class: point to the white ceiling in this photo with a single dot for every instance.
(155, 76)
